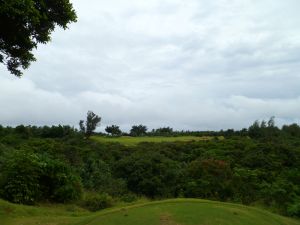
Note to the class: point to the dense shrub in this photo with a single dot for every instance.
(19, 178)
(246, 185)
(28, 177)
(129, 197)
(209, 178)
(59, 183)
(95, 202)
(150, 173)
(46, 165)
(294, 209)
(97, 176)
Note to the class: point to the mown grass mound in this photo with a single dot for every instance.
(129, 141)
(168, 212)
(189, 212)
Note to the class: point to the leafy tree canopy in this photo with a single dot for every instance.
(138, 130)
(24, 24)
(91, 123)
(114, 130)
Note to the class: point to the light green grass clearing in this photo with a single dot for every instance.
(129, 141)
(168, 212)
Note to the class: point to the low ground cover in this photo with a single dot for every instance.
(128, 140)
(167, 212)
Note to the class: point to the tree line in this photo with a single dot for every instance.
(258, 130)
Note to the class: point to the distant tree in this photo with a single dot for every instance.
(163, 131)
(271, 122)
(292, 130)
(254, 130)
(82, 126)
(25, 24)
(266, 130)
(56, 131)
(244, 132)
(263, 124)
(229, 132)
(138, 130)
(2, 131)
(91, 123)
(114, 130)
(272, 131)
(22, 131)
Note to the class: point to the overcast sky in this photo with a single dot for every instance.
(193, 64)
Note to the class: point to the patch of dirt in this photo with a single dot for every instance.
(166, 219)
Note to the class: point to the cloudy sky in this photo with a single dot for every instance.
(193, 64)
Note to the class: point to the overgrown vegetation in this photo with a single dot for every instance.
(258, 165)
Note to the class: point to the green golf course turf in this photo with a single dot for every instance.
(127, 140)
(167, 212)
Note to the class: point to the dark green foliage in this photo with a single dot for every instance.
(59, 183)
(292, 130)
(163, 131)
(22, 131)
(129, 197)
(294, 209)
(265, 130)
(26, 132)
(114, 130)
(27, 177)
(1, 131)
(209, 178)
(47, 164)
(138, 130)
(97, 176)
(246, 184)
(19, 181)
(56, 131)
(95, 202)
(91, 123)
(280, 193)
(24, 24)
(149, 173)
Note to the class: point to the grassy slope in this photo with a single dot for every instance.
(12, 214)
(127, 140)
(168, 212)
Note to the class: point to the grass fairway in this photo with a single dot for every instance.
(129, 141)
(168, 212)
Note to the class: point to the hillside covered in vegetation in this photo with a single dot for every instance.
(257, 166)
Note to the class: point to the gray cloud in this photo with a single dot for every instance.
(186, 64)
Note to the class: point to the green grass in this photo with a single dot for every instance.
(13, 214)
(168, 212)
(129, 141)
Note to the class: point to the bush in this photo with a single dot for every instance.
(27, 177)
(294, 210)
(95, 202)
(129, 198)
(149, 174)
(19, 178)
(59, 183)
(209, 178)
